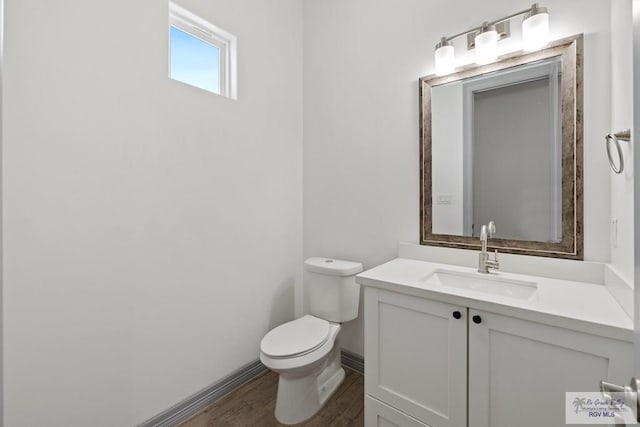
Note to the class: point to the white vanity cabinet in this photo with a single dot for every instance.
(426, 366)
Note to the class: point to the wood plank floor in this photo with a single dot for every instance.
(253, 405)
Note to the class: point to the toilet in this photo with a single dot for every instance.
(305, 352)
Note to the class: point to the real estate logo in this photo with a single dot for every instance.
(593, 408)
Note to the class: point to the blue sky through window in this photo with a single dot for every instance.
(194, 62)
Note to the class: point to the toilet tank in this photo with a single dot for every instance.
(332, 291)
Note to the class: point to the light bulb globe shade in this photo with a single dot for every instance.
(486, 47)
(444, 58)
(535, 31)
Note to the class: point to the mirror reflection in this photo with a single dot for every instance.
(497, 153)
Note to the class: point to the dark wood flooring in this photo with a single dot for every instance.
(253, 405)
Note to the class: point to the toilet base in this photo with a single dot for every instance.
(301, 397)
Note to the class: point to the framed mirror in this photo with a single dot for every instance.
(503, 142)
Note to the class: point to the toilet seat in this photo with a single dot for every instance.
(303, 362)
(296, 338)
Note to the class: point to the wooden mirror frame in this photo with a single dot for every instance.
(571, 246)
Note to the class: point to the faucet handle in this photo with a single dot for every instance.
(494, 263)
(491, 228)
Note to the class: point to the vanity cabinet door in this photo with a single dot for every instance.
(416, 357)
(519, 371)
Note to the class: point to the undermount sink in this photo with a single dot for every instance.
(486, 283)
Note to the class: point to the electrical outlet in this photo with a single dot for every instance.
(443, 199)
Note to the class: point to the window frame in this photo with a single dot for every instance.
(205, 31)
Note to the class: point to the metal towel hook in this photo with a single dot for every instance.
(615, 138)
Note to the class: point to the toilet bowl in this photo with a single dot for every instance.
(305, 352)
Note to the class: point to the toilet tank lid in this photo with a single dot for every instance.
(332, 267)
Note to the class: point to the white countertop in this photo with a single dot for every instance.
(580, 306)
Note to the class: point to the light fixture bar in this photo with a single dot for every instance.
(484, 38)
(513, 15)
(497, 21)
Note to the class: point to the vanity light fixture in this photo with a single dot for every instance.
(486, 44)
(445, 57)
(535, 28)
(535, 34)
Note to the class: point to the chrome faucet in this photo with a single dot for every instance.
(484, 261)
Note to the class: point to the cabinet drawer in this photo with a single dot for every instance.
(377, 414)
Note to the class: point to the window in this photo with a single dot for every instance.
(194, 62)
(201, 54)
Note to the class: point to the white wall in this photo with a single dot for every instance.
(622, 118)
(1, 229)
(152, 230)
(362, 60)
